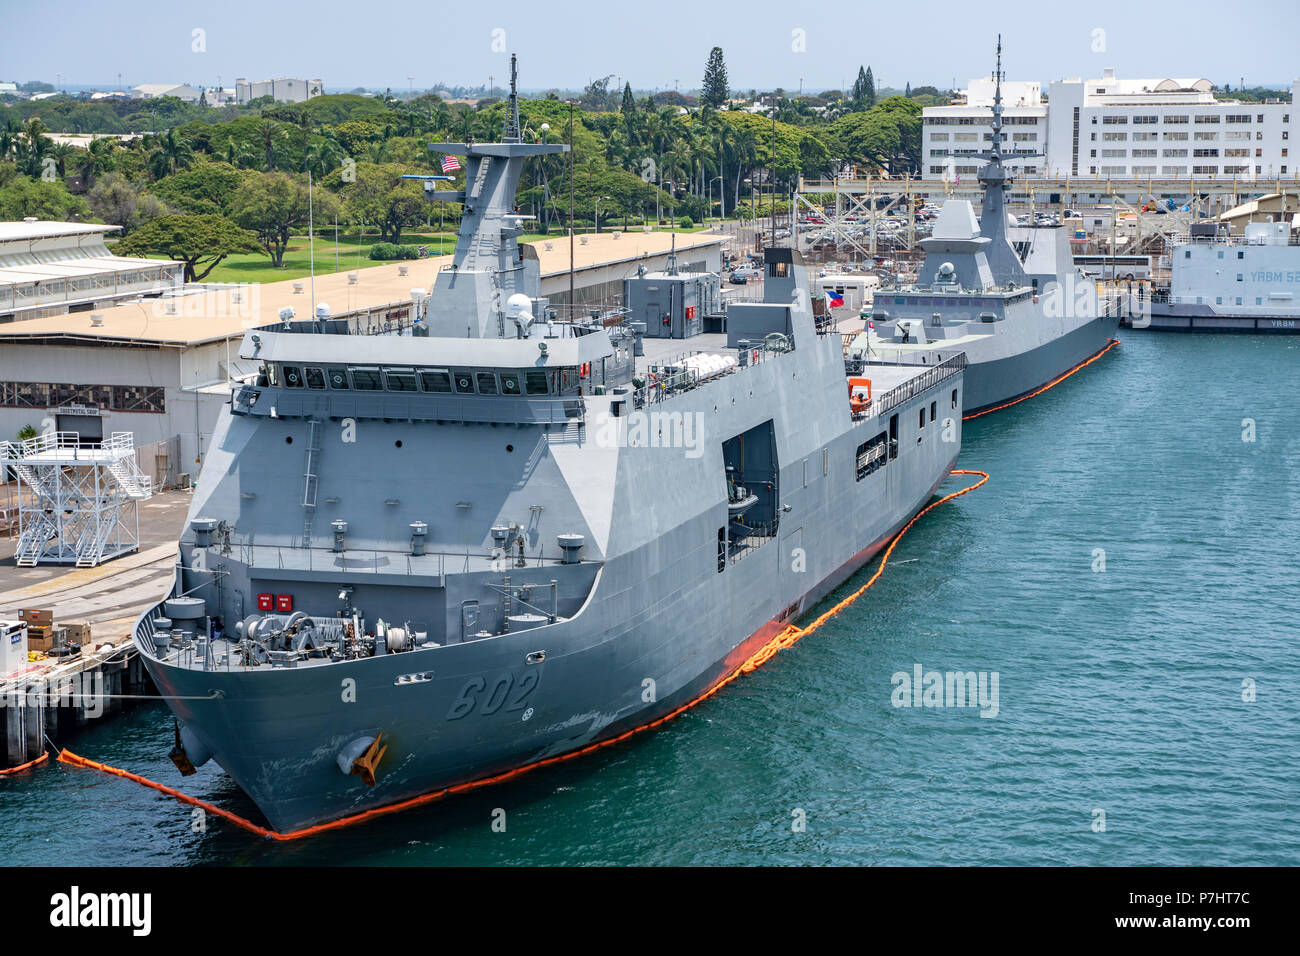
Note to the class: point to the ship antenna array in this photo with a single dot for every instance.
(997, 102)
(512, 114)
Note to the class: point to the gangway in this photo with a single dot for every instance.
(83, 509)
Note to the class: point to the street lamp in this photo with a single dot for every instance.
(598, 199)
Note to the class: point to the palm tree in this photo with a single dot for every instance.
(744, 149)
(271, 136)
(63, 154)
(10, 139)
(321, 157)
(32, 145)
(170, 154)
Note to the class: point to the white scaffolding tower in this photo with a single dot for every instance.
(84, 508)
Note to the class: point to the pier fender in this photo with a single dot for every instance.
(361, 757)
(189, 753)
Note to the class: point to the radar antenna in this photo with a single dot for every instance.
(512, 113)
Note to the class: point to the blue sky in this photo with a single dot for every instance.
(654, 45)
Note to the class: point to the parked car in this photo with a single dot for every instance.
(745, 274)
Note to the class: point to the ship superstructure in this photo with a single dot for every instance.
(1221, 282)
(1019, 310)
(422, 557)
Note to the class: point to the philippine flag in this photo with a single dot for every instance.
(450, 164)
(834, 299)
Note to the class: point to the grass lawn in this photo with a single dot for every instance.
(255, 267)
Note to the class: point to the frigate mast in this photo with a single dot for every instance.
(996, 180)
(512, 112)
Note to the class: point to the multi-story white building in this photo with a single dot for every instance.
(283, 89)
(954, 136)
(1119, 129)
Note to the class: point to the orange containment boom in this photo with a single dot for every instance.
(786, 638)
(25, 766)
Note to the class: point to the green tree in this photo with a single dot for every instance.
(198, 241)
(22, 196)
(120, 203)
(204, 187)
(271, 205)
(380, 197)
(713, 93)
(869, 94)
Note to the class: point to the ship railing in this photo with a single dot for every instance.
(936, 374)
(1182, 239)
(361, 561)
(755, 536)
(671, 377)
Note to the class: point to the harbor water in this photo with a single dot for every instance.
(1128, 576)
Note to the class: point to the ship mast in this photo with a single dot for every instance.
(996, 180)
(512, 112)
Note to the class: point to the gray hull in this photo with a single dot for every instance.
(279, 743)
(652, 626)
(998, 381)
(1188, 317)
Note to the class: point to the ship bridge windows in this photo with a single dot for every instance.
(366, 378)
(400, 379)
(435, 379)
(535, 382)
(468, 381)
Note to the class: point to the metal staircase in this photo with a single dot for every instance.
(84, 503)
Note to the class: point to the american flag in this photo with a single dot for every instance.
(450, 164)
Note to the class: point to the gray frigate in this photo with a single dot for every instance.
(425, 555)
(1009, 297)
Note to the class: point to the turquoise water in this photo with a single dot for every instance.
(1119, 690)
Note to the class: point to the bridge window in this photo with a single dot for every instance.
(487, 383)
(535, 382)
(400, 379)
(510, 383)
(315, 377)
(464, 383)
(435, 379)
(292, 376)
(338, 378)
(366, 378)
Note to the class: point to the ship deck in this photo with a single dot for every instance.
(883, 376)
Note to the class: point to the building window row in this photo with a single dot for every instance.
(116, 398)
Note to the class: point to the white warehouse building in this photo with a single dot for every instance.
(1108, 127)
(285, 89)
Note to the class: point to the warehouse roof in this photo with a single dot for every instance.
(214, 315)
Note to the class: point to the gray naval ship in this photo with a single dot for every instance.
(1010, 298)
(424, 557)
